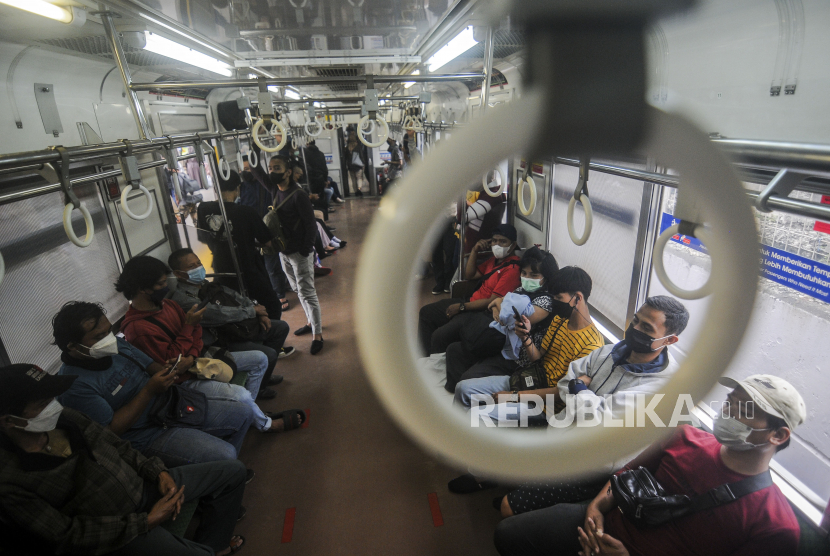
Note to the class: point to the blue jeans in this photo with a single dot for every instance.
(328, 192)
(489, 385)
(251, 362)
(226, 419)
(270, 343)
(275, 272)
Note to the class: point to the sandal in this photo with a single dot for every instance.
(291, 419)
(466, 484)
(238, 547)
(285, 305)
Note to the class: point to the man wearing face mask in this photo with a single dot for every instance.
(249, 232)
(761, 413)
(70, 486)
(117, 384)
(232, 309)
(439, 324)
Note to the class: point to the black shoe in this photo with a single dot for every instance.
(304, 330)
(242, 513)
(249, 475)
(316, 346)
(332, 211)
(274, 380)
(266, 394)
(446, 290)
(360, 194)
(465, 484)
(437, 290)
(286, 352)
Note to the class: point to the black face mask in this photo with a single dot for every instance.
(158, 295)
(562, 309)
(247, 176)
(640, 342)
(277, 177)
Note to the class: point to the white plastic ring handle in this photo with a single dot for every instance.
(224, 169)
(370, 127)
(660, 270)
(383, 134)
(126, 208)
(589, 219)
(502, 183)
(293, 143)
(239, 162)
(252, 158)
(520, 193)
(280, 129)
(316, 123)
(382, 312)
(67, 225)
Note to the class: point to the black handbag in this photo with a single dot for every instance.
(241, 331)
(179, 407)
(532, 377)
(646, 503)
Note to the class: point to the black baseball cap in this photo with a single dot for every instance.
(23, 383)
(507, 231)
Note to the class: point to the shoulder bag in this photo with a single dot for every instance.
(179, 407)
(272, 221)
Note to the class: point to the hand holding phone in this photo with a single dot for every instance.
(173, 368)
(517, 315)
(204, 303)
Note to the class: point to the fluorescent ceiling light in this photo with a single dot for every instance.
(291, 94)
(408, 84)
(463, 42)
(41, 7)
(166, 47)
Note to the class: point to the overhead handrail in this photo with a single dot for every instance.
(674, 142)
(132, 176)
(526, 181)
(222, 161)
(581, 195)
(71, 201)
(502, 183)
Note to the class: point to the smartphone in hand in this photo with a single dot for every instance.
(517, 315)
(173, 368)
(204, 303)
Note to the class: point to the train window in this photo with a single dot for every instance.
(790, 322)
(44, 271)
(610, 253)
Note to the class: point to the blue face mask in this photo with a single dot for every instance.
(197, 275)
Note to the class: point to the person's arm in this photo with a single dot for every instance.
(307, 221)
(471, 270)
(477, 305)
(478, 210)
(125, 417)
(70, 535)
(507, 280)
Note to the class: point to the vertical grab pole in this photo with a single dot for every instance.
(463, 218)
(488, 72)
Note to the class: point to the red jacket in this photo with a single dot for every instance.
(156, 342)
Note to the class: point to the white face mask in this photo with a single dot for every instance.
(106, 347)
(733, 434)
(46, 420)
(500, 252)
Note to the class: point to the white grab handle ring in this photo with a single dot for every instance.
(502, 183)
(125, 207)
(319, 128)
(239, 162)
(520, 194)
(280, 128)
(252, 158)
(589, 219)
(382, 135)
(293, 143)
(224, 169)
(369, 128)
(660, 269)
(381, 310)
(67, 225)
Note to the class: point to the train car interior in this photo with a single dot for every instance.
(415, 277)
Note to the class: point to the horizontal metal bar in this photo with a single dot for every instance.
(340, 99)
(281, 54)
(14, 160)
(283, 81)
(340, 31)
(660, 179)
(795, 206)
(808, 157)
(326, 61)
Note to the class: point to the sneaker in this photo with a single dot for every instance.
(286, 352)
(437, 290)
(339, 201)
(316, 346)
(266, 394)
(275, 379)
(446, 290)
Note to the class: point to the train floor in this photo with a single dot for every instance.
(350, 482)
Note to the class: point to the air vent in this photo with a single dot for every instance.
(344, 71)
(97, 45)
(505, 43)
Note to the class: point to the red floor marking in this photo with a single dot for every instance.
(307, 419)
(437, 518)
(288, 526)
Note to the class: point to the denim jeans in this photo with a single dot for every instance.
(269, 342)
(255, 363)
(489, 385)
(226, 419)
(275, 272)
(300, 273)
(328, 192)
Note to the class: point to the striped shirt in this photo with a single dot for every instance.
(562, 346)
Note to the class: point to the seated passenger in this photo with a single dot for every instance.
(161, 329)
(79, 489)
(438, 325)
(692, 462)
(538, 273)
(268, 336)
(117, 386)
(570, 336)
